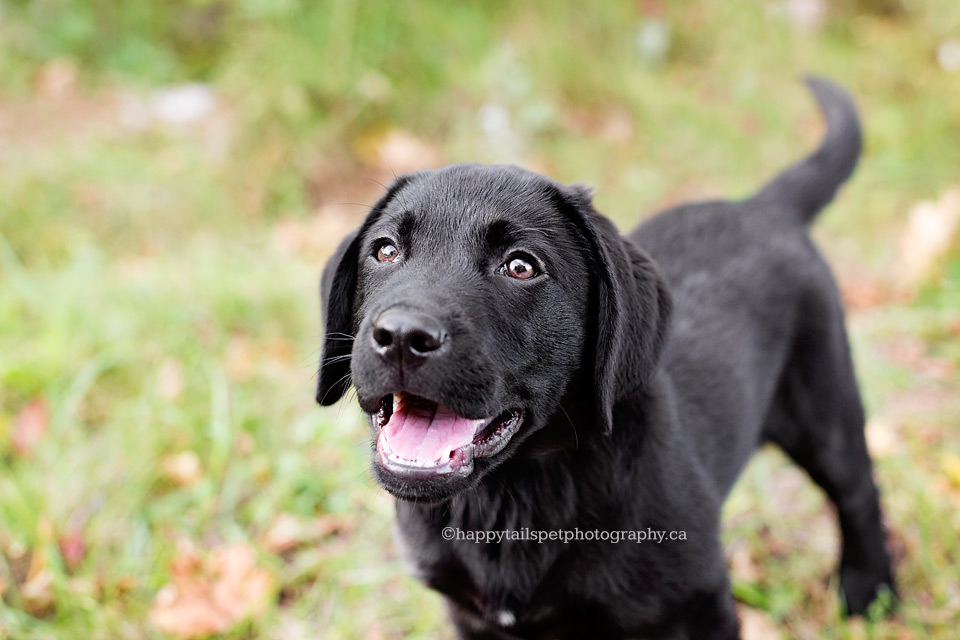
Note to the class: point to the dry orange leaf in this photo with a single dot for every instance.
(211, 595)
(287, 531)
(183, 469)
(742, 564)
(170, 380)
(882, 438)
(755, 625)
(37, 593)
(31, 424)
(929, 233)
(73, 549)
(400, 152)
(951, 467)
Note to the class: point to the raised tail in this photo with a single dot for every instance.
(806, 187)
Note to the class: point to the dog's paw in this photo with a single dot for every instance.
(867, 591)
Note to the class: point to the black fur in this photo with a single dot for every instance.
(650, 368)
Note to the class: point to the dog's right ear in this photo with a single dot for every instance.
(632, 306)
(338, 287)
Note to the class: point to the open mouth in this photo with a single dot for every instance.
(416, 436)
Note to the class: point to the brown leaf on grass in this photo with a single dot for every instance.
(755, 625)
(73, 549)
(882, 438)
(614, 125)
(950, 463)
(37, 593)
(742, 564)
(288, 531)
(400, 151)
(240, 358)
(170, 383)
(931, 227)
(183, 469)
(31, 424)
(861, 293)
(57, 79)
(91, 588)
(212, 594)
(316, 237)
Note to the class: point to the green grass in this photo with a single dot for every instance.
(158, 286)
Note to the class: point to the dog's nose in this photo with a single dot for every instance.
(401, 335)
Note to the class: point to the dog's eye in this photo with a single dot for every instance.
(518, 267)
(387, 252)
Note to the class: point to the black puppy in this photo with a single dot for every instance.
(527, 369)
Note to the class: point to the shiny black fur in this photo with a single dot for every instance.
(650, 368)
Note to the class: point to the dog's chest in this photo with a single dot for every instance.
(494, 571)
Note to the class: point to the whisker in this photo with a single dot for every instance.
(576, 436)
(336, 384)
(356, 204)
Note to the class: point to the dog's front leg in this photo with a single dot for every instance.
(710, 616)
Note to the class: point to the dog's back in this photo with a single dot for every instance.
(747, 284)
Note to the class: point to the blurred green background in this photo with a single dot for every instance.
(173, 175)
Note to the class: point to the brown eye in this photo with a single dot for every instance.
(387, 252)
(519, 268)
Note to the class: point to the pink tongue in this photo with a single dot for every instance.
(427, 434)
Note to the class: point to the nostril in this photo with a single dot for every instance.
(382, 337)
(424, 342)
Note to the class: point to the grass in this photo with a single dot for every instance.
(158, 284)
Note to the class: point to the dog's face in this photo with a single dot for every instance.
(465, 306)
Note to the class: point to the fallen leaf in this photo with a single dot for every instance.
(31, 424)
(73, 549)
(742, 564)
(287, 531)
(126, 584)
(37, 593)
(400, 152)
(930, 229)
(860, 293)
(951, 467)
(57, 79)
(284, 533)
(86, 587)
(211, 595)
(806, 15)
(755, 625)
(244, 444)
(183, 469)
(882, 438)
(183, 105)
(948, 55)
(318, 235)
(170, 383)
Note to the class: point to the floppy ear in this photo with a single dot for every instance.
(338, 287)
(632, 306)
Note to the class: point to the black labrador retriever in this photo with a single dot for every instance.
(561, 410)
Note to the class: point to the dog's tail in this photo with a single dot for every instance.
(809, 185)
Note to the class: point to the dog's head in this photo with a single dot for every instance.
(471, 305)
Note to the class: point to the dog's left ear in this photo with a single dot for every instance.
(338, 287)
(632, 306)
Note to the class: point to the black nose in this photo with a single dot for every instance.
(402, 335)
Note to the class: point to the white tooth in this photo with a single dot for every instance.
(396, 401)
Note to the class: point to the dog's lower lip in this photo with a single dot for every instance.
(489, 440)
